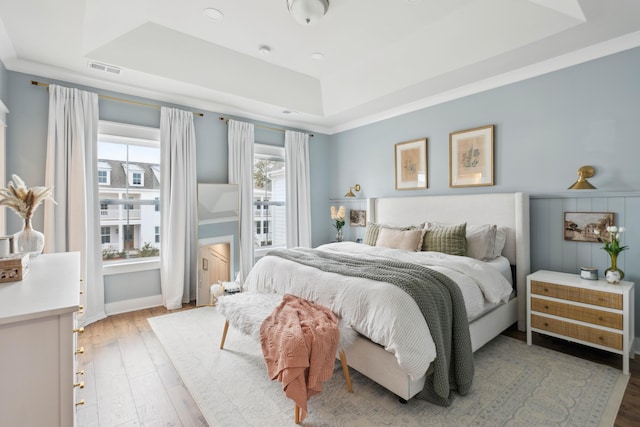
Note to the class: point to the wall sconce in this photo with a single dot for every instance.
(582, 184)
(350, 192)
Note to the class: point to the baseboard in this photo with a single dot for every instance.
(132, 305)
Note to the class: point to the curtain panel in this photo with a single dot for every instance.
(71, 169)
(178, 204)
(241, 141)
(296, 145)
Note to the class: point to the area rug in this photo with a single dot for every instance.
(514, 385)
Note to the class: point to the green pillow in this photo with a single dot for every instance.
(449, 240)
(373, 229)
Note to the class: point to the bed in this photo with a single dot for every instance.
(375, 353)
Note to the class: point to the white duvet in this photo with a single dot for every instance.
(378, 310)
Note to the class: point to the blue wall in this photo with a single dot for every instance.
(26, 151)
(545, 129)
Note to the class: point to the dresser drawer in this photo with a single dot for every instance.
(570, 293)
(584, 333)
(584, 314)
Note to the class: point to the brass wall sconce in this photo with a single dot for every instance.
(351, 189)
(582, 184)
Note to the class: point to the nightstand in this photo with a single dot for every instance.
(589, 312)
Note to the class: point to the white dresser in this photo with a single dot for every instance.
(37, 343)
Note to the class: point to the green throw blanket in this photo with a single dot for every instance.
(439, 299)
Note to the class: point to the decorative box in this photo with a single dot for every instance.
(13, 268)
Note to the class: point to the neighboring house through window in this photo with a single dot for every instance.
(269, 186)
(129, 178)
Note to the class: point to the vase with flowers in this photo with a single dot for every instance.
(338, 216)
(24, 201)
(612, 246)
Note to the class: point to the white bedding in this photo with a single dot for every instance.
(370, 306)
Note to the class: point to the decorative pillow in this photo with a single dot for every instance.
(481, 241)
(409, 240)
(373, 229)
(501, 239)
(449, 240)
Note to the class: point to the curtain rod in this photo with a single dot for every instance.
(226, 120)
(113, 98)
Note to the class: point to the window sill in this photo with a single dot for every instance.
(116, 267)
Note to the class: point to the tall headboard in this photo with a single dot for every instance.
(507, 209)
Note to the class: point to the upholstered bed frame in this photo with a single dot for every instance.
(506, 209)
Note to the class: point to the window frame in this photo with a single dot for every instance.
(123, 133)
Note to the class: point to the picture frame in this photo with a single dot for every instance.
(411, 165)
(580, 226)
(471, 157)
(357, 218)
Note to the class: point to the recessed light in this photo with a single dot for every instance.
(264, 50)
(317, 56)
(213, 14)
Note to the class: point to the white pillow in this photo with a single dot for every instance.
(481, 241)
(409, 240)
(501, 239)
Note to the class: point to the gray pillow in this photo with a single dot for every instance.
(449, 240)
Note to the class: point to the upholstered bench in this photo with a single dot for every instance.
(247, 311)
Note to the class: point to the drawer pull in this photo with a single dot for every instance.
(80, 350)
(546, 307)
(546, 324)
(80, 372)
(80, 384)
(81, 402)
(546, 289)
(78, 330)
(601, 318)
(601, 338)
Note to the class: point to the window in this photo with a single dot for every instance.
(157, 204)
(105, 232)
(128, 222)
(269, 186)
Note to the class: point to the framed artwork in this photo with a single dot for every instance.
(471, 157)
(580, 226)
(358, 218)
(411, 165)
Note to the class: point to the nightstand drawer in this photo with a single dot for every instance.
(583, 314)
(584, 333)
(587, 296)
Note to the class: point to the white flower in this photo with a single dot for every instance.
(612, 229)
(621, 229)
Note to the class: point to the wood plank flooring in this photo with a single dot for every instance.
(130, 381)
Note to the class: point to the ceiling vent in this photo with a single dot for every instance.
(104, 67)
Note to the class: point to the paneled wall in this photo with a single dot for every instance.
(549, 250)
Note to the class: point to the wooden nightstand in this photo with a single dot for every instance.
(589, 312)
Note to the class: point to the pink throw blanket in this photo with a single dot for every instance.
(299, 342)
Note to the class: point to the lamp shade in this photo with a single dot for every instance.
(582, 184)
(307, 12)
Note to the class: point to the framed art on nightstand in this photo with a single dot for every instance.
(411, 165)
(357, 218)
(471, 157)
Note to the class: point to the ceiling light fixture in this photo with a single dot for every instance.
(307, 12)
(264, 50)
(213, 14)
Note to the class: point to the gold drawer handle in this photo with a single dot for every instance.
(78, 330)
(80, 384)
(81, 402)
(80, 350)
(79, 372)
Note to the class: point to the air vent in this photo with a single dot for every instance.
(104, 67)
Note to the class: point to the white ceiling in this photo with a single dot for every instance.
(381, 57)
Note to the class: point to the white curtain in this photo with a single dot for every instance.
(296, 146)
(71, 168)
(241, 141)
(178, 204)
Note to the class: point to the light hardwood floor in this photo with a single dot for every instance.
(129, 380)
